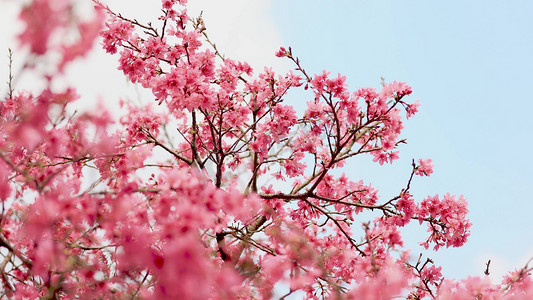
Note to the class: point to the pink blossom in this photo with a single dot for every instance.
(431, 274)
(424, 167)
(412, 109)
(88, 32)
(42, 19)
(281, 52)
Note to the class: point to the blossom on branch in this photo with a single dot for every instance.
(220, 188)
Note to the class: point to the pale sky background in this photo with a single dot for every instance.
(470, 63)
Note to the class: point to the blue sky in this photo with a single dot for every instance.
(470, 63)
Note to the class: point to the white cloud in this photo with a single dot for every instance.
(243, 30)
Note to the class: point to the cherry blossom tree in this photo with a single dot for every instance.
(219, 188)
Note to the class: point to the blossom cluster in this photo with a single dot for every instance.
(221, 191)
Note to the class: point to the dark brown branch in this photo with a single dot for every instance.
(487, 272)
(326, 214)
(6, 244)
(153, 140)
